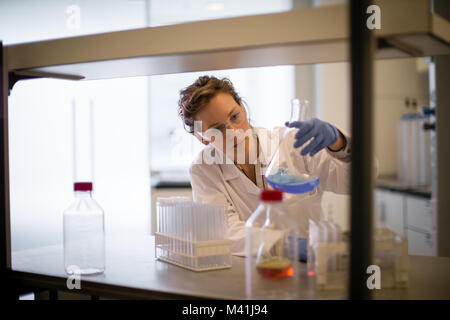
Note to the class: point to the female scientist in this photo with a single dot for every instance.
(215, 105)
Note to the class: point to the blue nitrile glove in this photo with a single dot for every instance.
(302, 253)
(324, 135)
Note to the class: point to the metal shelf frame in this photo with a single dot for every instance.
(300, 36)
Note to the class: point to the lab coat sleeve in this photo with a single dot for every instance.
(345, 153)
(207, 187)
(333, 168)
(334, 174)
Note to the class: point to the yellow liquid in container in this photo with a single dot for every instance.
(275, 268)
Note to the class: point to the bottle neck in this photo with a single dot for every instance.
(271, 203)
(83, 194)
(272, 211)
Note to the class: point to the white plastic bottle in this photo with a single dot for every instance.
(84, 233)
(271, 250)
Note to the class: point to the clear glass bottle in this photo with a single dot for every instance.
(271, 250)
(277, 174)
(84, 233)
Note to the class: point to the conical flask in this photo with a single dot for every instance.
(281, 172)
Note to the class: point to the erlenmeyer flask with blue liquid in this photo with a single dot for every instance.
(278, 174)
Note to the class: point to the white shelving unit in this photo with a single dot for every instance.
(300, 36)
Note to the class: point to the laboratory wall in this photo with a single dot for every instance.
(44, 127)
(43, 160)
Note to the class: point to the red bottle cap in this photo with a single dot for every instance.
(82, 186)
(271, 195)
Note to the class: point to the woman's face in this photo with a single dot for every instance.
(222, 113)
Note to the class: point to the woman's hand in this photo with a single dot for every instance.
(324, 134)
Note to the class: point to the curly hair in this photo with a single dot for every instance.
(194, 97)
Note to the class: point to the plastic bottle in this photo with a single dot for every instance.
(271, 250)
(277, 174)
(84, 234)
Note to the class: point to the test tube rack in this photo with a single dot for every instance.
(191, 235)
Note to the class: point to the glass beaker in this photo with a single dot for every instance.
(277, 174)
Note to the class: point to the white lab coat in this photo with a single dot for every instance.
(225, 184)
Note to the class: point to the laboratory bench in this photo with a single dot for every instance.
(170, 179)
(132, 272)
(391, 183)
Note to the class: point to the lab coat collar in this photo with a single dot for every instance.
(231, 172)
(240, 180)
(250, 186)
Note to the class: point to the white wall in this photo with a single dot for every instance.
(394, 81)
(42, 159)
(40, 127)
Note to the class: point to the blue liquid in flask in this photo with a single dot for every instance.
(277, 175)
(282, 179)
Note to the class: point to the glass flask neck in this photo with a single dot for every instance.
(83, 194)
(299, 109)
